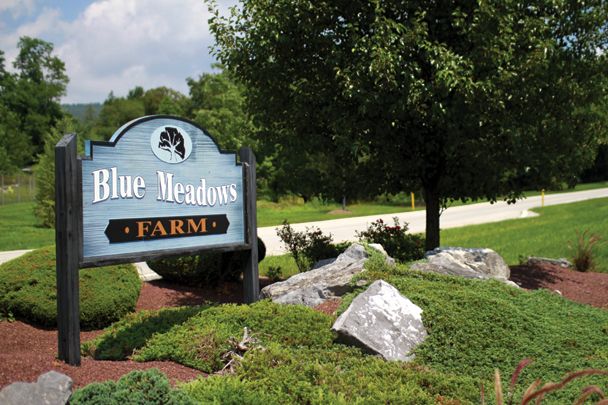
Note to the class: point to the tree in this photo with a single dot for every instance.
(459, 99)
(117, 111)
(173, 142)
(163, 100)
(33, 94)
(217, 103)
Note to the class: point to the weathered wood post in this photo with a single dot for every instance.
(67, 249)
(251, 280)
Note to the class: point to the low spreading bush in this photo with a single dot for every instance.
(138, 387)
(399, 244)
(28, 290)
(205, 269)
(309, 246)
(336, 375)
(199, 337)
(477, 326)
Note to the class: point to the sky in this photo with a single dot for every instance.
(115, 45)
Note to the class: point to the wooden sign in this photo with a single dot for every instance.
(161, 186)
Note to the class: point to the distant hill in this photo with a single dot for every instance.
(83, 111)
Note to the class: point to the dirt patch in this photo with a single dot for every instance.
(329, 307)
(586, 288)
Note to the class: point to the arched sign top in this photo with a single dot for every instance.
(160, 183)
(168, 120)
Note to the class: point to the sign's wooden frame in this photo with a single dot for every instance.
(68, 242)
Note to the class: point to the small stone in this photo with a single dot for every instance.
(52, 388)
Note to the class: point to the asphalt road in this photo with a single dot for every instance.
(344, 229)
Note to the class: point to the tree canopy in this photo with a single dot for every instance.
(464, 100)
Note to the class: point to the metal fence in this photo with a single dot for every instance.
(17, 188)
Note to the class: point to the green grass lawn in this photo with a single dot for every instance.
(19, 228)
(546, 235)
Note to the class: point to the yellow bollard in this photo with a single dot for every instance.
(413, 199)
(542, 197)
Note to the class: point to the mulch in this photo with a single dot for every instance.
(27, 351)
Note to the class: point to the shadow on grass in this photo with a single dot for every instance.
(123, 338)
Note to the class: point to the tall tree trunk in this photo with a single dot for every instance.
(431, 199)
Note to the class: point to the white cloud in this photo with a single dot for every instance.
(17, 8)
(115, 45)
(47, 21)
(118, 44)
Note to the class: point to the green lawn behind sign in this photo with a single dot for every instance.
(547, 235)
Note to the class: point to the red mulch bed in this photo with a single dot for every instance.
(586, 288)
(27, 351)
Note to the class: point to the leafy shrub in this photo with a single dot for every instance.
(28, 290)
(583, 259)
(309, 246)
(45, 173)
(396, 241)
(137, 387)
(205, 269)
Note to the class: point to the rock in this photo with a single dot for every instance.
(465, 262)
(382, 321)
(314, 287)
(561, 262)
(52, 388)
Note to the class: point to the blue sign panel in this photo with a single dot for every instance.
(161, 183)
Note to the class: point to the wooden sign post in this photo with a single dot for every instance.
(160, 187)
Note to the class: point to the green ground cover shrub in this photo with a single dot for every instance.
(205, 269)
(200, 340)
(335, 375)
(477, 326)
(149, 387)
(28, 290)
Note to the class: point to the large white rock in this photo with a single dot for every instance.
(465, 262)
(328, 281)
(52, 388)
(382, 321)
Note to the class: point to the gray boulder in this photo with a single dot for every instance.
(382, 321)
(465, 262)
(52, 388)
(328, 281)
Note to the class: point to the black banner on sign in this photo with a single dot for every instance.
(139, 229)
